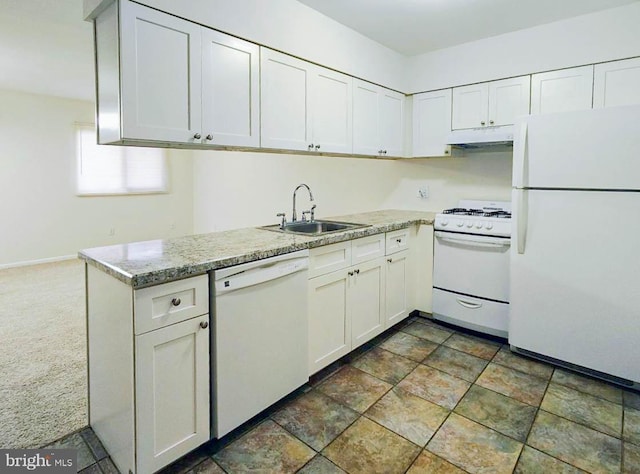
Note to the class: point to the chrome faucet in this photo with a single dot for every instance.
(294, 216)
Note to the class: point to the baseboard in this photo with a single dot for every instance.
(27, 263)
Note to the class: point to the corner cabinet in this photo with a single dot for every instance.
(148, 353)
(163, 80)
(378, 120)
(431, 123)
(304, 107)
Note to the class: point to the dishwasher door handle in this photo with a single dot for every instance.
(259, 275)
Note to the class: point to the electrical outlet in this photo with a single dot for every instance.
(423, 192)
(112, 231)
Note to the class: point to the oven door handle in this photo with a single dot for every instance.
(474, 241)
(468, 304)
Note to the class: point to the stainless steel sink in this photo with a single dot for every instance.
(317, 227)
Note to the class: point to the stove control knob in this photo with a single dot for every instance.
(460, 223)
(478, 225)
(469, 224)
(444, 222)
(489, 225)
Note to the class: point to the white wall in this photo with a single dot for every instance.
(296, 29)
(40, 215)
(595, 37)
(234, 189)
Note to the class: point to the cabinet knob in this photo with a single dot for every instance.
(209, 137)
(384, 152)
(357, 272)
(482, 123)
(399, 241)
(379, 152)
(490, 122)
(197, 136)
(310, 147)
(317, 147)
(204, 324)
(350, 274)
(389, 260)
(176, 301)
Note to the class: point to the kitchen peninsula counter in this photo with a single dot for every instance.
(153, 262)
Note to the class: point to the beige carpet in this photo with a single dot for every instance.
(43, 368)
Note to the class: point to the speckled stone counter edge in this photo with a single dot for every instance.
(160, 273)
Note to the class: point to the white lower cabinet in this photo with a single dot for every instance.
(148, 354)
(356, 292)
(397, 288)
(172, 392)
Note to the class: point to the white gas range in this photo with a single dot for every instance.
(471, 266)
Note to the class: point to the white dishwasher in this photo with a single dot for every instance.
(259, 338)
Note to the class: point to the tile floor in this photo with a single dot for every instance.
(425, 398)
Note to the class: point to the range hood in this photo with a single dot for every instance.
(484, 137)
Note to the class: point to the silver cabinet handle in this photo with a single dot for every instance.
(197, 136)
(176, 301)
(204, 324)
(209, 137)
(469, 304)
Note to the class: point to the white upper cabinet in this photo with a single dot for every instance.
(160, 61)
(508, 99)
(285, 101)
(230, 90)
(431, 123)
(331, 111)
(378, 120)
(562, 91)
(180, 82)
(490, 103)
(617, 83)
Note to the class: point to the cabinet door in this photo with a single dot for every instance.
(366, 138)
(431, 123)
(230, 90)
(161, 75)
(284, 101)
(562, 91)
(329, 325)
(331, 111)
(172, 392)
(366, 301)
(509, 99)
(616, 83)
(470, 106)
(391, 122)
(397, 288)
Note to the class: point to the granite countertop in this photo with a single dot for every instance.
(142, 264)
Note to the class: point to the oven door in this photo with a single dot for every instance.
(475, 265)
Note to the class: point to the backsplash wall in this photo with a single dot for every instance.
(239, 189)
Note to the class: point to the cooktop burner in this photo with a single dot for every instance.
(461, 211)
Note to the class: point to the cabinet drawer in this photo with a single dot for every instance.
(329, 258)
(367, 248)
(166, 304)
(397, 241)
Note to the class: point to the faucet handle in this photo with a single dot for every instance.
(313, 213)
(283, 223)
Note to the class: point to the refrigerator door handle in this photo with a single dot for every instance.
(521, 157)
(522, 218)
(468, 304)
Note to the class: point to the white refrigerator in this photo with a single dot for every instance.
(575, 258)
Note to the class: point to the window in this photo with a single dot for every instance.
(108, 169)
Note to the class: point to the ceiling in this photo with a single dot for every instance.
(412, 27)
(47, 48)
